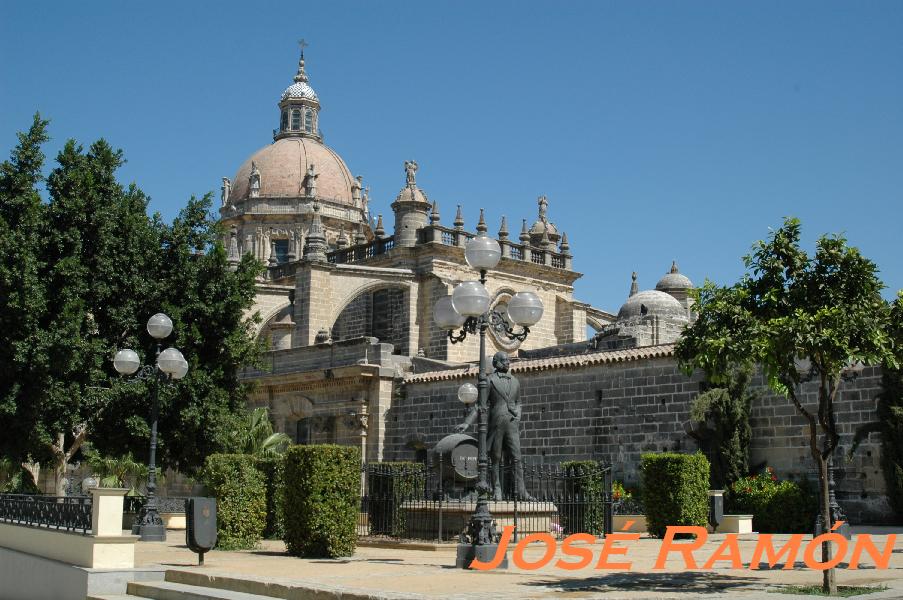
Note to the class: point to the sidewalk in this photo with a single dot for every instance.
(392, 572)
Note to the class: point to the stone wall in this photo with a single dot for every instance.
(614, 406)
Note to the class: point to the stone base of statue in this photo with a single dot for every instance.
(451, 517)
(484, 553)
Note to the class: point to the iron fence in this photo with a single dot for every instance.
(434, 501)
(134, 504)
(71, 513)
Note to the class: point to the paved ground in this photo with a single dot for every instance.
(394, 572)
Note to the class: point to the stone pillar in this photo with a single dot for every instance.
(313, 301)
(106, 511)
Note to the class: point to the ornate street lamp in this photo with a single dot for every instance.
(467, 309)
(170, 364)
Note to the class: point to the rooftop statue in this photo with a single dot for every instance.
(226, 191)
(410, 169)
(254, 180)
(311, 181)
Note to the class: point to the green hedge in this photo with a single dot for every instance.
(588, 514)
(322, 499)
(273, 470)
(776, 506)
(389, 485)
(675, 490)
(240, 499)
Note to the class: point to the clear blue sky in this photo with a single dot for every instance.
(658, 130)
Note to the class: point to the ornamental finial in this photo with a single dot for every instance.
(301, 75)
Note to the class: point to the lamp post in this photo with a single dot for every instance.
(170, 364)
(468, 309)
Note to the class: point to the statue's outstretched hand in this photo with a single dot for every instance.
(461, 428)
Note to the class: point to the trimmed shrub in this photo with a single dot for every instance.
(322, 499)
(240, 499)
(389, 485)
(675, 490)
(776, 506)
(273, 470)
(587, 514)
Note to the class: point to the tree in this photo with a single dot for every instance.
(723, 431)
(790, 309)
(207, 300)
(22, 297)
(890, 415)
(79, 276)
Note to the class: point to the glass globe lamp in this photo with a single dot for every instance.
(467, 394)
(482, 252)
(126, 362)
(525, 308)
(171, 362)
(159, 326)
(181, 371)
(470, 299)
(445, 315)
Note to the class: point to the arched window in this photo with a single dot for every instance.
(284, 123)
(309, 121)
(296, 120)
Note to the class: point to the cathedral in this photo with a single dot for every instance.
(338, 277)
(355, 357)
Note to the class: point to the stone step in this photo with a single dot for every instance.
(167, 590)
(268, 587)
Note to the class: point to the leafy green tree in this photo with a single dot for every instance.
(790, 309)
(890, 415)
(723, 431)
(79, 276)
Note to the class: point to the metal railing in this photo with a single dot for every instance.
(70, 513)
(134, 504)
(435, 501)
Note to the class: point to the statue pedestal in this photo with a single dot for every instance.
(422, 520)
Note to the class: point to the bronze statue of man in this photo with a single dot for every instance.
(503, 434)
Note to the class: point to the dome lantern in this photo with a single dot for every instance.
(299, 107)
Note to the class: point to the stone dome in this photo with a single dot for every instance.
(540, 226)
(300, 90)
(411, 194)
(283, 167)
(652, 303)
(674, 281)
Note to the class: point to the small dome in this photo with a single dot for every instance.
(674, 281)
(411, 194)
(300, 90)
(540, 226)
(283, 168)
(652, 303)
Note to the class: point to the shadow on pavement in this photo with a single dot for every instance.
(692, 581)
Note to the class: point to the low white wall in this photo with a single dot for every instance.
(101, 552)
(27, 577)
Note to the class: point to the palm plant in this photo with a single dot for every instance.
(258, 439)
(123, 471)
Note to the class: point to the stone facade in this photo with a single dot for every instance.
(614, 406)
